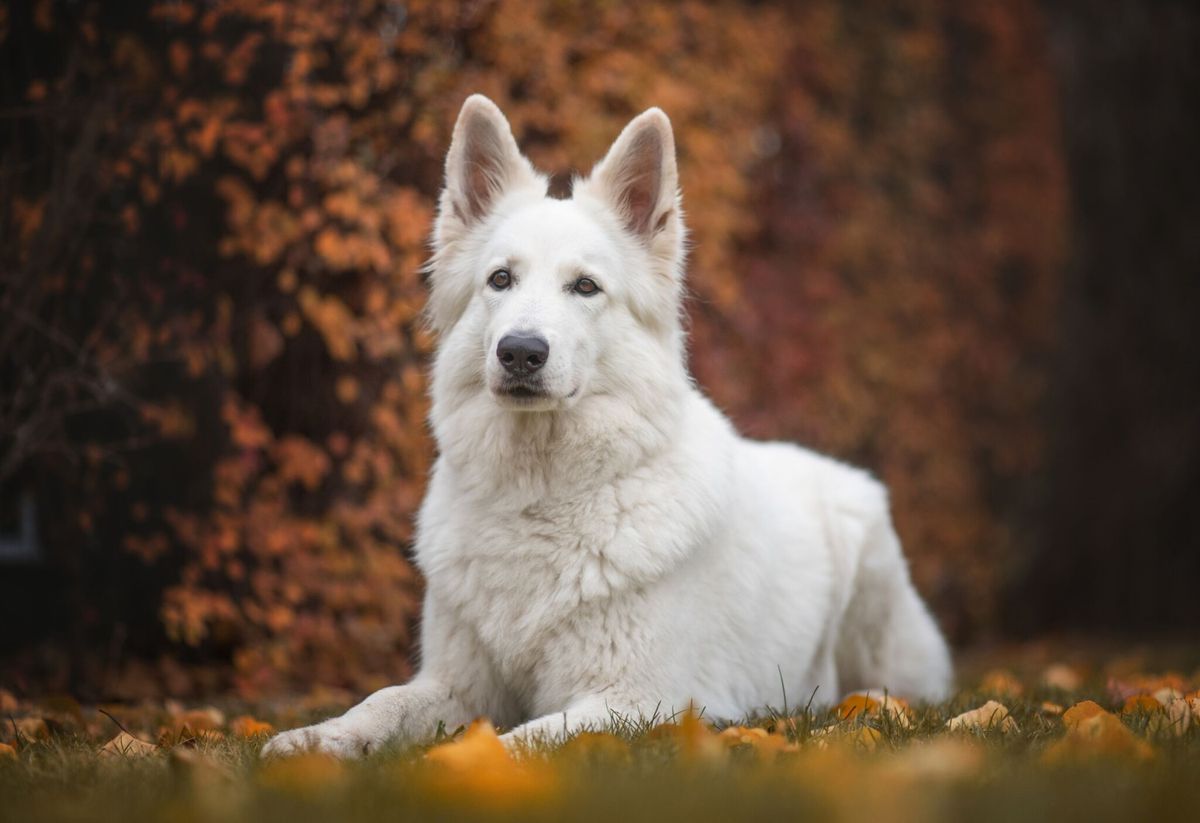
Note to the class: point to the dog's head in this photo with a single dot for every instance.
(541, 302)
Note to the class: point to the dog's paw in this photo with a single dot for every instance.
(334, 737)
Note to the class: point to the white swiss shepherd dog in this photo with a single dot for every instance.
(598, 542)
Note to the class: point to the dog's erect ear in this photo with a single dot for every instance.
(638, 178)
(482, 164)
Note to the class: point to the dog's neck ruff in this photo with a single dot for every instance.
(559, 453)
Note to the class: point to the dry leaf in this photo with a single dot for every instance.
(937, 759)
(1140, 703)
(991, 715)
(126, 745)
(478, 767)
(1081, 711)
(1001, 682)
(31, 728)
(304, 774)
(862, 704)
(694, 738)
(7, 752)
(247, 726)
(1091, 732)
(1062, 676)
(762, 741)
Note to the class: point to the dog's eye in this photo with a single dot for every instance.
(500, 279)
(585, 286)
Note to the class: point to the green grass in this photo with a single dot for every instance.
(919, 772)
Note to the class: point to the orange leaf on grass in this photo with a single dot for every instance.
(247, 726)
(1093, 732)
(303, 774)
(862, 704)
(1001, 682)
(1140, 703)
(478, 767)
(763, 742)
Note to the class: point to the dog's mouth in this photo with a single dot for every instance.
(521, 390)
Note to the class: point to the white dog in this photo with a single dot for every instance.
(597, 540)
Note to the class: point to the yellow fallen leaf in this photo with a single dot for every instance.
(1139, 704)
(762, 741)
(937, 759)
(991, 715)
(595, 746)
(479, 768)
(303, 774)
(247, 726)
(862, 704)
(694, 738)
(856, 704)
(126, 745)
(1081, 711)
(1092, 733)
(1001, 682)
(854, 737)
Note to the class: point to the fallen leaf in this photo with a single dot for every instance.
(1092, 732)
(595, 746)
(861, 704)
(303, 774)
(126, 745)
(1081, 711)
(1001, 682)
(1062, 676)
(479, 768)
(937, 759)
(1140, 704)
(694, 738)
(7, 752)
(762, 741)
(247, 726)
(991, 715)
(30, 728)
(1173, 720)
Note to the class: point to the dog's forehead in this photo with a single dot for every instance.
(550, 230)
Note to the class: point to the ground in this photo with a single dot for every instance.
(1065, 741)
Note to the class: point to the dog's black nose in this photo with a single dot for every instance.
(522, 354)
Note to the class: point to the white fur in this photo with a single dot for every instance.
(613, 546)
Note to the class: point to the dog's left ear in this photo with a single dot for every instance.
(638, 178)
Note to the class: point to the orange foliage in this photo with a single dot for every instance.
(868, 275)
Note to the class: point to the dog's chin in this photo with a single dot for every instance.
(525, 397)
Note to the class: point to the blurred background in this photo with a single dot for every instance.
(954, 242)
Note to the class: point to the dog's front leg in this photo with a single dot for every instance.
(408, 712)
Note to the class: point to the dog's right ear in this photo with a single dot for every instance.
(482, 165)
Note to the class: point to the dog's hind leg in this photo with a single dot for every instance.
(888, 641)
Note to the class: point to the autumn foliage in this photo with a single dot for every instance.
(867, 275)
